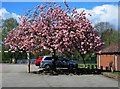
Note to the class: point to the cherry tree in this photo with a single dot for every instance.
(53, 28)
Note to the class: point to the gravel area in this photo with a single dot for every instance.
(15, 75)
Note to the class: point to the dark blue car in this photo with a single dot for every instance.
(60, 62)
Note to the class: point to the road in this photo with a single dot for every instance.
(16, 76)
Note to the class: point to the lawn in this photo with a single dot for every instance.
(114, 75)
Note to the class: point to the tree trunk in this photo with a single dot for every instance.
(28, 64)
(83, 57)
(54, 54)
(16, 60)
(16, 54)
(11, 57)
(53, 61)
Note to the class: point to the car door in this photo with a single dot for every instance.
(58, 63)
(64, 63)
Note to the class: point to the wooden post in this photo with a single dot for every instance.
(92, 67)
(106, 68)
(96, 67)
(101, 68)
(28, 64)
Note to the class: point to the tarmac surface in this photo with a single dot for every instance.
(15, 75)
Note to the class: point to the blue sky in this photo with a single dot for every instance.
(101, 11)
(21, 7)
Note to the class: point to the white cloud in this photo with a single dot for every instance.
(4, 14)
(104, 13)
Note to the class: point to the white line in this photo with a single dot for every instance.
(6, 51)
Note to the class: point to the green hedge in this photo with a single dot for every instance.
(87, 65)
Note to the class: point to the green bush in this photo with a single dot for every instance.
(87, 65)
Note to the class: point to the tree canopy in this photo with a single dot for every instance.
(53, 28)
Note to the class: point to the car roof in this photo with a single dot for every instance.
(48, 56)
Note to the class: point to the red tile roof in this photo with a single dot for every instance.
(113, 48)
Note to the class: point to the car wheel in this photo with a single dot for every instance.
(47, 67)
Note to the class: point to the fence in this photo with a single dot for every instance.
(9, 56)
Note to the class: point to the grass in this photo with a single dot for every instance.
(87, 65)
(114, 75)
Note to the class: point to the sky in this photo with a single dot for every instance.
(101, 11)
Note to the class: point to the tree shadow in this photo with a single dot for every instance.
(79, 71)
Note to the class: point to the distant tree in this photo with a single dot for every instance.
(110, 36)
(8, 25)
(107, 33)
(102, 26)
(52, 28)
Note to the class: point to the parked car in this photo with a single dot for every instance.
(60, 62)
(38, 60)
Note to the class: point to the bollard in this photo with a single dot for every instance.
(88, 66)
(106, 68)
(101, 68)
(96, 67)
(92, 67)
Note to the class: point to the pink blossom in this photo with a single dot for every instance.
(54, 29)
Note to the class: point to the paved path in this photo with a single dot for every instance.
(16, 76)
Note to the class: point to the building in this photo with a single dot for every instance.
(109, 56)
